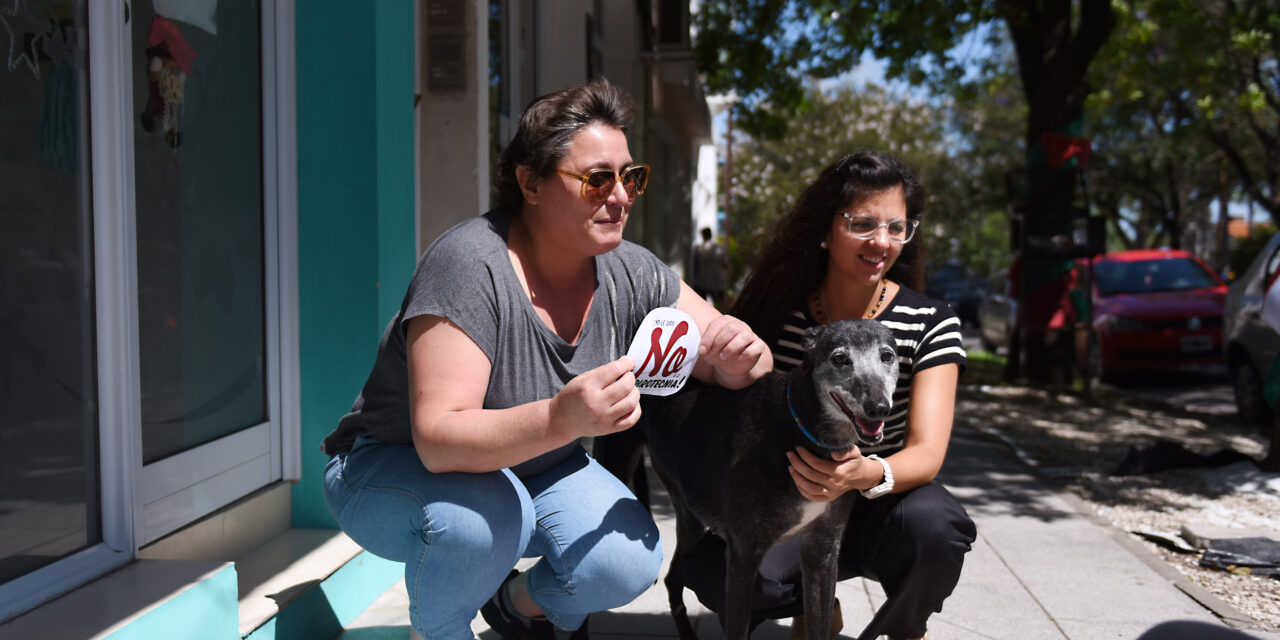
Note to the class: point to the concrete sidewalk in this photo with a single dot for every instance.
(1042, 567)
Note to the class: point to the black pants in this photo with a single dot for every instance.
(912, 543)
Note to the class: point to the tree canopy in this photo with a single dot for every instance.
(762, 50)
(1181, 98)
(1204, 77)
(962, 174)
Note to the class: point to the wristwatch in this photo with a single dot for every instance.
(883, 487)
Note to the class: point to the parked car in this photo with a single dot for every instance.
(1249, 343)
(997, 312)
(1154, 309)
(953, 283)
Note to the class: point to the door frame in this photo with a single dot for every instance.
(134, 511)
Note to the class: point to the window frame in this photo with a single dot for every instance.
(133, 511)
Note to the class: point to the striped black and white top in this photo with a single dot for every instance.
(928, 335)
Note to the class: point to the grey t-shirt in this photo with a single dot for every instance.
(466, 276)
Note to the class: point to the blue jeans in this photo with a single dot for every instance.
(460, 534)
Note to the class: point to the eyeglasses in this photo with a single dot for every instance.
(597, 184)
(865, 227)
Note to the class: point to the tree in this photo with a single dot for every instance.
(986, 139)
(1208, 69)
(1153, 176)
(955, 151)
(761, 50)
(769, 173)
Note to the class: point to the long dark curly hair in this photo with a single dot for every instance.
(793, 262)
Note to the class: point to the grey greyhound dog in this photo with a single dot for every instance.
(721, 455)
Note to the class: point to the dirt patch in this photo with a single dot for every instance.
(1076, 442)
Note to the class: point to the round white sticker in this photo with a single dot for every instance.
(664, 349)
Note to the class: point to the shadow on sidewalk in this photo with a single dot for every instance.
(990, 481)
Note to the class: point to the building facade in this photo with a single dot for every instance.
(210, 210)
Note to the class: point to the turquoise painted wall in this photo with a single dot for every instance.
(208, 610)
(322, 612)
(397, 230)
(355, 208)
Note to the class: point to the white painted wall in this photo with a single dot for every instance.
(705, 193)
(561, 44)
(453, 138)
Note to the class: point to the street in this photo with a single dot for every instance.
(1202, 390)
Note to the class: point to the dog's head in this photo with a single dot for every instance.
(852, 366)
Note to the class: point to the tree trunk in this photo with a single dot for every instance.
(1053, 59)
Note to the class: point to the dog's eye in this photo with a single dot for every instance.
(887, 356)
(841, 358)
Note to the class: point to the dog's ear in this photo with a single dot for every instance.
(811, 336)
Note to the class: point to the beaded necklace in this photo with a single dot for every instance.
(819, 300)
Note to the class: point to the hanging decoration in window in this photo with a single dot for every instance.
(168, 63)
(25, 25)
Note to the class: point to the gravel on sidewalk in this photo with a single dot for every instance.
(1075, 442)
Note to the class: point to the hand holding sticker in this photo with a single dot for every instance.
(664, 349)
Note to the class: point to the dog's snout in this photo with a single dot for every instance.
(877, 409)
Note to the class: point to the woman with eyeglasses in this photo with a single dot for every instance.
(845, 251)
(461, 454)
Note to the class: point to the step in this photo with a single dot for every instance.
(308, 583)
(193, 599)
(301, 584)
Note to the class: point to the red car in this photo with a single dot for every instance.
(1154, 309)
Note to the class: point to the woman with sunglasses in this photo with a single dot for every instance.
(461, 454)
(845, 251)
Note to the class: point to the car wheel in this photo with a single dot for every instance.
(1251, 408)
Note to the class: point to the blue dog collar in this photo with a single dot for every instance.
(805, 431)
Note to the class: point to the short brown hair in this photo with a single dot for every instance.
(547, 128)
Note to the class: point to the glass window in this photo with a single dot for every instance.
(499, 85)
(511, 66)
(49, 491)
(199, 198)
(1149, 276)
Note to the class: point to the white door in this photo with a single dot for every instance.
(140, 292)
(205, 275)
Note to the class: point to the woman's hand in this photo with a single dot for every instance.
(731, 346)
(822, 480)
(730, 354)
(601, 401)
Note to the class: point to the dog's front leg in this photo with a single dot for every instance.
(689, 531)
(818, 566)
(740, 580)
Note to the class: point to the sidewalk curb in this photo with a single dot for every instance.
(1221, 608)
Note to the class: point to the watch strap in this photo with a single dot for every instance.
(884, 487)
